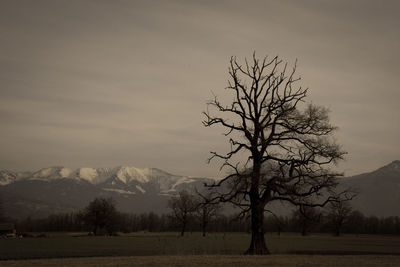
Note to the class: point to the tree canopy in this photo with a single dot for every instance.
(101, 213)
(183, 206)
(287, 144)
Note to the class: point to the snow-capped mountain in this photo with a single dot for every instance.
(58, 188)
(119, 177)
(7, 177)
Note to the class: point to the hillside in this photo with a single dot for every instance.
(378, 191)
(59, 189)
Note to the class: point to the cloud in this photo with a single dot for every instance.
(100, 83)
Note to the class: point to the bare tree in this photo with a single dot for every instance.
(355, 222)
(206, 211)
(2, 216)
(183, 206)
(305, 218)
(279, 151)
(338, 214)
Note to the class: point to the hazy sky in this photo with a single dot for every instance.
(107, 83)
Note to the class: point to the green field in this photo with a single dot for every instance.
(67, 245)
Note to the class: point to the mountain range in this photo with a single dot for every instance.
(136, 190)
(60, 189)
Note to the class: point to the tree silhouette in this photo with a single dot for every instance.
(338, 214)
(183, 206)
(305, 218)
(280, 148)
(2, 216)
(101, 214)
(206, 211)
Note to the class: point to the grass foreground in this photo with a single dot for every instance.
(169, 249)
(217, 260)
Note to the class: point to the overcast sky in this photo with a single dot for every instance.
(108, 83)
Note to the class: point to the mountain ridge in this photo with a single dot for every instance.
(135, 190)
(126, 174)
(378, 191)
(138, 190)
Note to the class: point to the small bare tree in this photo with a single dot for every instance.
(305, 218)
(206, 211)
(183, 206)
(278, 150)
(2, 216)
(338, 214)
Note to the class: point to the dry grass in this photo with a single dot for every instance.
(168, 249)
(169, 244)
(217, 260)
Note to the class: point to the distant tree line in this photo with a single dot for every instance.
(355, 222)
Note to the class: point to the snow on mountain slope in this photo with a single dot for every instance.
(120, 179)
(162, 180)
(183, 180)
(7, 177)
(88, 174)
(65, 172)
(143, 190)
(138, 187)
(127, 174)
(119, 191)
(58, 189)
(50, 173)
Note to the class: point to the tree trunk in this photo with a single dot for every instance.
(183, 228)
(337, 230)
(303, 231)
(257, 245)
(338, 225)
(304, 227)
(205, 222)
(204, 227)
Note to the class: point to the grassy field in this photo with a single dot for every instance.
(287, 260)
(169, 247)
